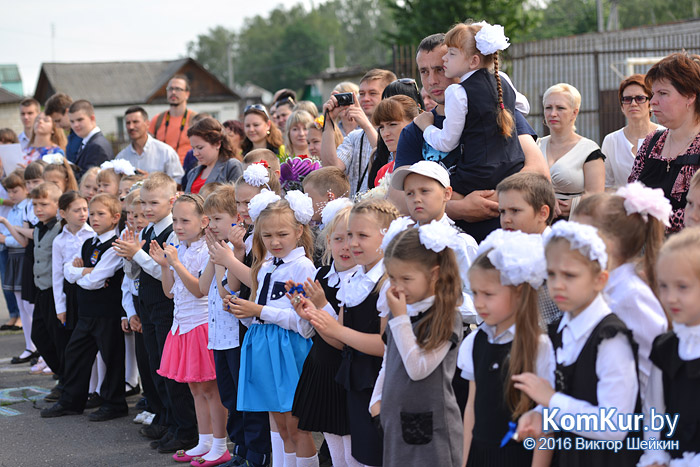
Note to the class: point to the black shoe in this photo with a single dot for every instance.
(104, 413)
(28, 358)
(166, 437)
(236, 461)
(153, 431)
(57, 410)
(175, 445)
(94, 400)
(142, 404)
(135, 390)
(54, 395)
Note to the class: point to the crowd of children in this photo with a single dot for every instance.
(249, 314)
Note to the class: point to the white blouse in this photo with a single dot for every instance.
(615, 367)
(189, 311)
(224, 327)
(619, 158)
(65, 248)
(567, 171)
(631, 299)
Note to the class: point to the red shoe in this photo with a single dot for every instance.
(200, 462)
(180, 456)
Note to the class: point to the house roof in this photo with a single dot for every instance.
(9, 74)
(126, 83)
(7, 97)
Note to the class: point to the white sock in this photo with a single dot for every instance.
(290, 459)
(277, 449)
(203, 447)
(218, 448)
(349, 460)
(336, 448)
(307, 461)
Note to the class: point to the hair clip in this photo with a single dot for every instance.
(301, 204)
(645, 201)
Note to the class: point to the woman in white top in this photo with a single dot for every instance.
(576, 164)
(620, 147)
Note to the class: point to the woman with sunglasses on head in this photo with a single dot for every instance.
(260, 131)
(620, 147)
(669, 158)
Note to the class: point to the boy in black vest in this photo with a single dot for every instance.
(48, 333)
(175, 424)
(98, 273)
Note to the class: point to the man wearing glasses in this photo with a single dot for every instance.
(171, 126)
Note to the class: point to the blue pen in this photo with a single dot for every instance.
(511, 434)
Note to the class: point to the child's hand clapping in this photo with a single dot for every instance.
(158, 254)
(128, 245)
(235, 236)
(323, 322)
(396, 300)
(171, 254)
(244, 308)
(220, 253)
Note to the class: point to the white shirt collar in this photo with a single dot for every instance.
(375, 273)
(91, 134)
(467, 75)
(414, 309)
(334, 277)
(545, 233)
(587, 319)
(443, 220)
(688, 341)
(619, 275)
(503, 338)
(162, 224)
(293, 255)
(146, 146)
(85, 228)
(357, 287)
(107, 235)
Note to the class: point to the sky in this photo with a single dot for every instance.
(128, 30)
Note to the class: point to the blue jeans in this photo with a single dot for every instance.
(10, 298)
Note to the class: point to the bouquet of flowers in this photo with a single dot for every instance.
(295, 169)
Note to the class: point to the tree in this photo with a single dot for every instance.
(416, 19)
(210, 50)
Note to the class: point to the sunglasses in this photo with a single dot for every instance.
(256, 107)
(627, 100)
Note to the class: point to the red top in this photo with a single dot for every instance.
(198, 183)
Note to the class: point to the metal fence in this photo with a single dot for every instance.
(595, 64)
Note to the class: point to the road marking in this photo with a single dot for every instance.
(6, 396)
(8, 412)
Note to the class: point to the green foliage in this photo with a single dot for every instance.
(416, 19)
(290, 44)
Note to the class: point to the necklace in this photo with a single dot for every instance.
(678, 153)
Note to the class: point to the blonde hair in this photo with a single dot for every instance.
(687, 242)
(297, 117)
(262, 154)
(567, 90)
(323, 239)
(383, 210)
(347, 86)
(276, 211)
(66, 171)
(463, 37)
(222, 200)
(157, 181)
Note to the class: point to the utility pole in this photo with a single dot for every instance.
(229, 58)
(53, 42)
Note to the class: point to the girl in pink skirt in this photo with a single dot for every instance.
(186, 358)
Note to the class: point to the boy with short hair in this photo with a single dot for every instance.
(250, 431)
(155, 310)
(48, 333)
(324, 185)
(94, 149)
(526, 202)
(56, 107)
(98, 274)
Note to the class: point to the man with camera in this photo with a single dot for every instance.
(354, 153)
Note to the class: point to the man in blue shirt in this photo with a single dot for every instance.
(477, 213)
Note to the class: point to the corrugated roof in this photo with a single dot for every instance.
(7, 97)
(111, 83)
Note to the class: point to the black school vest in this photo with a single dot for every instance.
(681, 381)
(579, 380)
(106, 301)
(487, 157)
(150, 288)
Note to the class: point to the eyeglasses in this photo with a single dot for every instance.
(174, 89)
(627, 100)
(256, 107)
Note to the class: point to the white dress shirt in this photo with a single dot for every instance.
(355, 152)
(631, 299)
(142, 258)
(356, 288)
(335, 278)
(189, 311)
(456, 109)
(688, 349)
(129, 291)
(619, 158)
(224, 327)
(156, 157)
(23, 141)
(615, 368)
(108, 265)
(278, 309)
(89, 136)
(66, 247)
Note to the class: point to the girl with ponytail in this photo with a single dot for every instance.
(631, 222)
(504, 280)
(479, 111)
